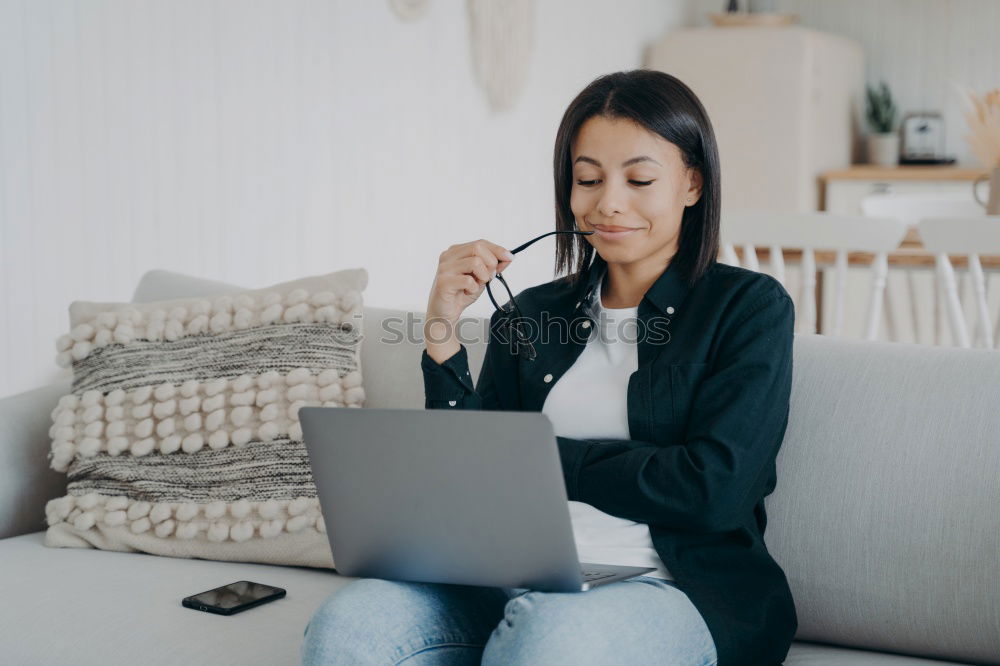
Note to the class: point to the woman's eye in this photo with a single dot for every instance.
(587, 183)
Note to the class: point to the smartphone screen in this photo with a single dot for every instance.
(234, 597)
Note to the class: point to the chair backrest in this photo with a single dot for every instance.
(911, 207)
(808, 232)
(969, 236)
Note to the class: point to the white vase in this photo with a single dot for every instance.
(883, 149)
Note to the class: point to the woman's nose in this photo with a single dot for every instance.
(612, 200)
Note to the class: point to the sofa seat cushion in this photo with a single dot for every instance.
(815, 654)
(87, 606)
(83, 606)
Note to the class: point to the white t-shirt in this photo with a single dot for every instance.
(590, 401)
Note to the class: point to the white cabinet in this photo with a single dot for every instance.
(783, 103)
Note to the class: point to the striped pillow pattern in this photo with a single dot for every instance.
(180, 435)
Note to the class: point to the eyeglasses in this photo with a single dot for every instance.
(518, 338)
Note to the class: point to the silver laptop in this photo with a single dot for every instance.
(464, 497)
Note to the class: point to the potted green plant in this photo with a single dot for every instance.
(883, 142)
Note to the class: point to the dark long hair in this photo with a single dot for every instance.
(662, 104)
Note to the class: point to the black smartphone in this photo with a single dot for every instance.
(233, 598)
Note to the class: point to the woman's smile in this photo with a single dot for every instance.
(613, 232)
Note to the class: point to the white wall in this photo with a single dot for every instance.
(918, 46)
(257, 142)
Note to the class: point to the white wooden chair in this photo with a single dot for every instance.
(808, 232)
(969, 236)
(910, 207)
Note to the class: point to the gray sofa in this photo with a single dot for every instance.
(885, 519)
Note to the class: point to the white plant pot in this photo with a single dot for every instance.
(883, 149)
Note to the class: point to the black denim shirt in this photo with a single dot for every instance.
(707, 411)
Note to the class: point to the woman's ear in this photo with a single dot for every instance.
(695, 184)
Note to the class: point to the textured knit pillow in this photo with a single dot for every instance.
(181, 437)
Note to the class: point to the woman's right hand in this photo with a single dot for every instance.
(462, 274)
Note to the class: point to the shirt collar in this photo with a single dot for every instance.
(667, 293)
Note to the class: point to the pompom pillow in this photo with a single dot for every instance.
(181, 437)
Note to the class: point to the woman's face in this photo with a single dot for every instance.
(630, 186)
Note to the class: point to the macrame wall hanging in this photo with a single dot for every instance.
(503, 40)
(410, 10)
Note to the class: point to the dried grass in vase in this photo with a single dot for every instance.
(983, 116)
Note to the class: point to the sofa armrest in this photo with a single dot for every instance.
(26, 480)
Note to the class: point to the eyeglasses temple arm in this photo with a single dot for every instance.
(561, 231)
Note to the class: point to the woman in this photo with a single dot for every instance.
(667, 437)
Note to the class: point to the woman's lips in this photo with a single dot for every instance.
(613, 232)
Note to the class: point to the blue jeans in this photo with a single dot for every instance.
(641, 620)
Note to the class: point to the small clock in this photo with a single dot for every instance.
(922, 139)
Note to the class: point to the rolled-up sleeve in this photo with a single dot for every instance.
(448, 385)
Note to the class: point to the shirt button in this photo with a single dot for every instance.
(452, 403)
(547, 378)
(670, 310)
(586, 324)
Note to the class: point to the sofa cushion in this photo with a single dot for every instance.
(26, 482)
(92, 608)
(77, 606)
(390, 359)
(161, 285)
(181, 437)
(884, 515)
(390, 355)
